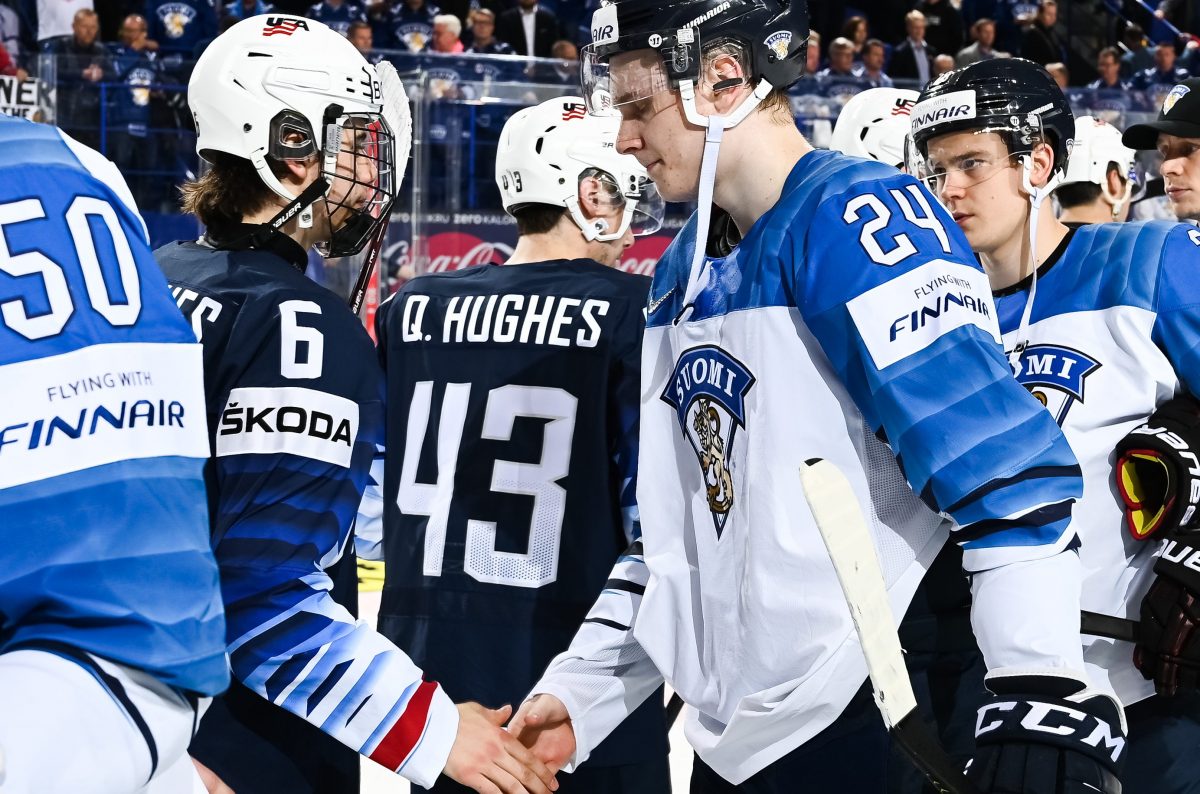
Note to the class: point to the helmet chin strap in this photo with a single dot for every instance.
(305, 219)
(1117, 201)
(714, 127)
(1036, 197)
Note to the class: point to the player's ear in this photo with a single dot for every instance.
(1115, 189)
(591, 197)
(1043, 164)
(725, 82)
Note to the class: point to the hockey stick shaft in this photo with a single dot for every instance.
(1113, 628)
(364, 275)
(842, 526)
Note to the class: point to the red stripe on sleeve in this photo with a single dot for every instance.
(404, 735)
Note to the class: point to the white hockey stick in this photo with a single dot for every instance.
(846, 535)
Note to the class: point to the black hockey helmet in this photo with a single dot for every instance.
(1013, 97)
(773, 34)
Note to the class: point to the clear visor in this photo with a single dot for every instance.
(970, 157)
(609, 82)
(637, 196)
(360, 167)
(648, 212)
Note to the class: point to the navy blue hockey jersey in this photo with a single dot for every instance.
(102, 426)
(511, 461)
(295, 410)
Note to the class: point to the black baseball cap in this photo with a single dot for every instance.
(1180, 115)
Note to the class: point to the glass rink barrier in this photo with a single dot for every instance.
(132, 106)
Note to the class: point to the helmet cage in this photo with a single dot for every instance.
(358, 157)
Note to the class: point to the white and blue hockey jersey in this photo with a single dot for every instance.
(295, 397)
(853, 324)
(1114, 332)
(102, 427)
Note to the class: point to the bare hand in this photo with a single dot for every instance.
(93, 73)
(490, 760)
(543, 725)
(212, 783)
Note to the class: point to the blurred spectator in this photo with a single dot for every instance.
(1163, 73)
(483, 31)
(179, 25)
(565, 50)
(944, 25)
(56, 18)
(10, 32)
(242, 9)
(528, 29)
(407, 26)
(82, 62)
(446, 30)
(942, 64)
(135, 66)
(841, 59)
(338, 14)
(8, 67)
(359, 34)
(984, 33)
(913, 57)
(871, 70)
(1139, 56)
(812, 54)
(1040, 42)
(857, 32)
(1060, 74)
(1108, 64)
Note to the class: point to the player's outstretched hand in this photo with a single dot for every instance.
(490, 760)
(212, 783)
(544, 726)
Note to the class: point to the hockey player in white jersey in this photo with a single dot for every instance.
(111, 628)
(874, 125)
(830, 310)
(302, 134)
(1101, 324)
(1102, 178)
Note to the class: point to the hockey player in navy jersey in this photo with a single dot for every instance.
(829, 310)
(111, 628)
(303, 148)
(1101, 325)
(532, 370)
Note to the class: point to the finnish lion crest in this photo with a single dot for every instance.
(1055, 375)
(708, 390)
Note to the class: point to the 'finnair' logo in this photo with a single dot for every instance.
(1054, 375)
(955, 106)
(708, 391)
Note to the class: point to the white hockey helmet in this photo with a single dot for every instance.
(547, 149)
(874, 124)
(1097, 145)
(279, 87)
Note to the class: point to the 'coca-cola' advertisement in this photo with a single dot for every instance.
(454, 242)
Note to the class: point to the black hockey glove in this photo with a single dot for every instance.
(1158, 477)
(1158, 470)
(1047, 735)
(1168, 637)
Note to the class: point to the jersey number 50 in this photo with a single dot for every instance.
(58, 294)
(538, 566)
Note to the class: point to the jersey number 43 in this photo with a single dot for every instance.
(538, 566)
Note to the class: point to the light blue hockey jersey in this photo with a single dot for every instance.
(102, 426)
(852, 323)
(1114, 331)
